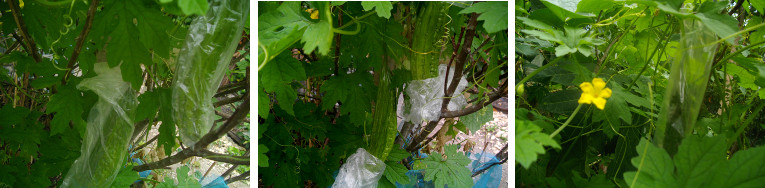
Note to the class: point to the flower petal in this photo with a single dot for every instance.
(315, 15)
(586, 87)
(599, 102)
(586, 98)
(605, 93)
(598, 83)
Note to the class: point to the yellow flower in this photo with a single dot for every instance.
(595, 93)
(314, 13)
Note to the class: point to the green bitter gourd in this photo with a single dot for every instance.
(202, 62)
(109, 129)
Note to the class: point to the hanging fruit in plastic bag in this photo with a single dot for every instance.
(202, 62)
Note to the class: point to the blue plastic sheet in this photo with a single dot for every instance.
(142, 174)
(489, 178)
(213, 182)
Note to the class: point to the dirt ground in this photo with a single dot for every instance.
(491, 138)
(197, 164)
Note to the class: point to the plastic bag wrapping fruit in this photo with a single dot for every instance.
(361, 169)
(109, 128)
(202, 62)
(425, 96)
(691, 65)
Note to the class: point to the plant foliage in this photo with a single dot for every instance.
(647, 53)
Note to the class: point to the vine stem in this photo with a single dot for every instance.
(354, 20)
(354, 32)
(80, 40)
(537, 71)
(719, 63)
(567, 121)
(30, 43)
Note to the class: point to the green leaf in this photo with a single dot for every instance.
(449, 171)
(385, 183)
(319, 35)
(338, 3)
(278, 29)
(745, 78)
(12, 116)
(166, 137)
(530, 142)
(564, 10)
(287, 176)
(493, 13)
(128, 28)
(477, 119)
(599, 180)
(277, 76)
(754, 67)
(655, 168)
(397, 154)
(382, 8)
(125, 177)
(128, 52)
(168, 183)
(262, 157)
(759, 5)
(153, 27)
(148, 106)
(461, 126)
(697, 156)
(21, 134)
(184, 180)
(746, 168)
(67, 104)
(190, 7)
(616, 109)
(757, 36)
(561, 102)
(395, 172)
(536, 24)
(264, 104)
(43, 23)
(353, 90)
(721, 24)
(594, 6)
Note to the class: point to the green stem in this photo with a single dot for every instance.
(356, 20)
(567, 121)
(749, 120)
(648, 61)
(537, 71)
(737, 33)
(358, 28)
(265, 60)
(719, 63)
(54, 3)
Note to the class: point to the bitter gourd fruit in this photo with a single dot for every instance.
(428, 30)
(202, 62)
(110, 126)
(384, 130)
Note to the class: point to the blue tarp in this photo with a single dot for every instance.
(489, 178)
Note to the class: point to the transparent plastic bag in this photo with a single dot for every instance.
(687, 83)
(361, 169)
(203, 60)
(110, 125)
(426, 96)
